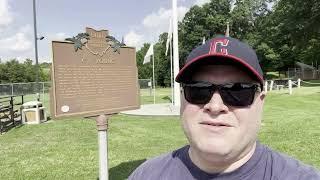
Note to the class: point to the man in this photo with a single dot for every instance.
(221, 112)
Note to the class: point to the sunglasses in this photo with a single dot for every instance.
(232, 94)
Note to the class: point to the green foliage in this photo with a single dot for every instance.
(292, 33)
(282, 35)
(144, 70)
(162, 63)
(162, 67)
(206, 21)
(15, 72)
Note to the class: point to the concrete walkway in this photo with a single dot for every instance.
(155, 110)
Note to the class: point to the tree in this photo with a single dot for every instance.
(206, 21)
(282, 35)
(30, 70)
(292, 32)
(13, 71)
(162, 62)
(144, 70)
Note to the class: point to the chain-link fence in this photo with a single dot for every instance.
(30, 90)
(15, 89)
(306, 74)
(145, 87)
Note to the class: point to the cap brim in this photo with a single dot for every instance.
(185, 73)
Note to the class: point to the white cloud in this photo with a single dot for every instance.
(19, 42)
(27, 29)
(161, 18)
(5, 14)
(61, 36)
(14, 43)
(156, 23)
(201, 2)
(133, 39)
(152, 26)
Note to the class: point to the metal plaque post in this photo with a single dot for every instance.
(102, 127)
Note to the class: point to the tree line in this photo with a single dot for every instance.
(13, 71)
(281, 31)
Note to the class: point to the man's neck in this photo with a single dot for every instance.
(209, 164)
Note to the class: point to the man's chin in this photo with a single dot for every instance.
(219, 149)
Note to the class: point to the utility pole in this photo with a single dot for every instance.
(36, 45)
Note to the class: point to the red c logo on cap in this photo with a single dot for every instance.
(222, 50)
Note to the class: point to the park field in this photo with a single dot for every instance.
(67, 148)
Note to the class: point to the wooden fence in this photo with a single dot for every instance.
(10, 112)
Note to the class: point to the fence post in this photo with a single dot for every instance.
(21, 108)
(290, 86)
(11, 110)
(299, 81)
(266, 86)
(43, 92)
(271, 85)
(150, 87)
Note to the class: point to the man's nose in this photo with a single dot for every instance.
(216, 105)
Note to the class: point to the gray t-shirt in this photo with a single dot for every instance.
(265, 164)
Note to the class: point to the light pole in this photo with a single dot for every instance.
(36, 46)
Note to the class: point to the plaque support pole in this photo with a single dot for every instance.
(102, 127)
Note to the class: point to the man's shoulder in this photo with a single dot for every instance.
(286, 167)
(155, 167)
(158, 161)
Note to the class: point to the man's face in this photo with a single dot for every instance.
(240, 125)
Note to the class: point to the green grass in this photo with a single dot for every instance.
(67, 148)
(291, 123)
(163, 95)
(274, 75)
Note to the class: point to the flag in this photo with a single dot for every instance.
(169, 36)
(148, 55)
(204, 40)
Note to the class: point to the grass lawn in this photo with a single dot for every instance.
(67, 148)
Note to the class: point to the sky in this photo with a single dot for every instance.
(138, 21)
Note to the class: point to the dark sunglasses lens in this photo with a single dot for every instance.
(197, 95)
(238, 95)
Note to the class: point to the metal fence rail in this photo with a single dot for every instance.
(306, 74)
(16, 89)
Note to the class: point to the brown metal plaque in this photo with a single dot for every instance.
(96, 79)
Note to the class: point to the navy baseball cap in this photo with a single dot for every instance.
(222, 50)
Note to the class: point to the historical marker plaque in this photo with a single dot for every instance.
(93, 74)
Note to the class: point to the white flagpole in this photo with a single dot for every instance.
(154, 81)
(169, 36)
(227, 31)
(175, 52)
(171, 71)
